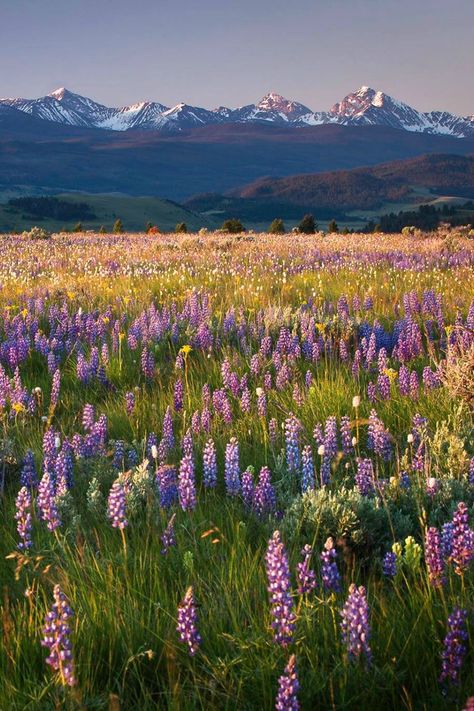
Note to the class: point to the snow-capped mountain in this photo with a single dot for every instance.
(363, 107)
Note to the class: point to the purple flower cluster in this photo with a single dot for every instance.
(288, 687)
(57, 638)
(305, 575)
(454, 647)
(329, 571)
(279, 588)
(187, 623)
(355, 624)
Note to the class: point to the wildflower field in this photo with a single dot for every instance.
(237, 472)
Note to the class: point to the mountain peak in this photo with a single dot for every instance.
(59, 94)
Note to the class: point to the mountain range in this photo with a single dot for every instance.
(364, 107)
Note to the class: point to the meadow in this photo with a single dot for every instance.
(237, 472)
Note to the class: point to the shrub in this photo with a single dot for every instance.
(36, 233)
(79, 227)
(181, 228)
(233, 226)
(308, 225)
(277, 227)
(153, 230)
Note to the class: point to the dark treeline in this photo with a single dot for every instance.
(426, 217)
(52, 208)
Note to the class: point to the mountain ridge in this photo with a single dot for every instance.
(363, 107)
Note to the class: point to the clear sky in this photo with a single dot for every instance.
(231, 52)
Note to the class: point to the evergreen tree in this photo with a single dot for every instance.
(332, 227)
(233, 226)
(118, 227)
(277, 227)
(308, 225)
(181, 227)
(102, 230)
(78, 227)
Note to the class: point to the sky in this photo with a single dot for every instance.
(232, 52)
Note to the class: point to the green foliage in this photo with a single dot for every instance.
(277, 227)
(36, 233)
(233, 226)
(308, 225)
(118, 227)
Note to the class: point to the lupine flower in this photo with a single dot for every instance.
(329, 571)
(471, 472)
(469, 704)
(88, 417)
(209, 465)
(167, 485)
(23, 518)
(433, 557)
(178, 395)
(116, 509)
(248, 487)
(454, 647)
(168, 538)
(187, 484)
(129, 402)
(168, 435)
(279, 585)
(187, 623)
(118, 461)
(264, 499)
(57, 638)
(232, 467)
(346, 436)
(355, 624)
(292, 443)
(364, 477)
(47, 504)
(288, 687)
(29, 476)
(273, 430)
(307, 467)
(55, 388)
(462, 552)
(305, 576)
(389, 564)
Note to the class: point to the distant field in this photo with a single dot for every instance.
(135, 213)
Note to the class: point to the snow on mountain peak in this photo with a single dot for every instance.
(59, 94)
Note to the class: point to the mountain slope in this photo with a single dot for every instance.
(363, 107)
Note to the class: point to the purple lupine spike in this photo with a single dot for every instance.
(57, 638)
(446, 540)
(147, 362)
(187, 444)
(264, 498)
(248, 487)
(273, 430)
(389, 565)
(329, 571)
(371, 392)
(454, 647)
(168, 538)
(307, 469)
(305, 575)
(168, 435)
(383, 386)
(116, 508)
(166, 482)
(232, 467)
(279, 586)
(292, 443)
(47, 504)
(245, 401)
(261, 402)
(88, 417)
(129, 402)
(364, 477)
(209, 465)
(355, 624)
(178, 395)
(470, 476)
(379, 439)
(187, 484)
(404, 380)
(23, 518)
(433, 557)
(63, 471)
(288, 687)
(462, 552)
(29, 476)
(118, 461)
(196, 422)
(187, 622)
(55, 388)
(346, 436)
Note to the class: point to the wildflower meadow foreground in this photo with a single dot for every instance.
(237, 472)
